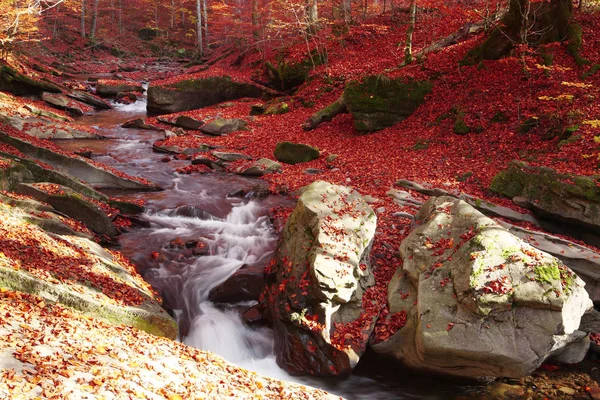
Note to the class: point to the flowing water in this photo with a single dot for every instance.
(234, 232)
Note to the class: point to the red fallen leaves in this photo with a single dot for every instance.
(67, 355)
(24, 246)
(198, 168)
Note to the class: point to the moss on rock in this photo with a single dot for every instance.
(378, 101)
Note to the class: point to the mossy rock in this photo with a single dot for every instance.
(192, 94)
(149, 33)
(295, 153)
(569, 197)
(287, 76)
(12, 173)
(19, 84)
(278, 109)
(379, 102)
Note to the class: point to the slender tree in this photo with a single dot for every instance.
(83, 4)
(94, 19)
(199, 26)
(408, 58)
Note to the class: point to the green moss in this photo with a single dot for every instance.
(575, 38)
(378, 101)
(286, 76)
(547, 273)
(421, 144)
(499, 117)
(460, 127)
(568, 141)
(278, 109)
(17, 83)
(529, 124)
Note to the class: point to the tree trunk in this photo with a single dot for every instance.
(94, 19)
(83, 18)
(255, 20)
(408, 58)
(347, 11)
(120, 17)
(172, 14)
(312, 17)
(526, 22)
(199, 25)
(205, 22)
(55, 27)
(156, 4)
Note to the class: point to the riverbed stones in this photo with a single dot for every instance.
(479, 302)
(244, 285)
(72, 204)
(79, 168)
(260, 167)
(112, 88)
(317, 281)
(295, 153)
(90, 99)
(63, 102)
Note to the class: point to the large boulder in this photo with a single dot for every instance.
(377, 101)
(571, 198)
(191, 94)
(295, 153)
(479, 302)
(317, 282)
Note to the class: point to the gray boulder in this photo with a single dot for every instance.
(320, 274)
(202, 92)
(220, 126)
(295, 153)
(479, 302)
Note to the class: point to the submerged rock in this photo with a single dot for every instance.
(479, 302)
(316, 285)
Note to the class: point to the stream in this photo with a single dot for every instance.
(234, 232)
